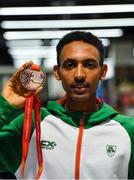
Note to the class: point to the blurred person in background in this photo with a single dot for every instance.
(82, 137)
(126, 98)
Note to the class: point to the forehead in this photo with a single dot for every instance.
(79, 49)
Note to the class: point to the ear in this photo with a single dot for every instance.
(104, 70)
(56, 72)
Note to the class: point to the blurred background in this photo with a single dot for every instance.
(30, 30)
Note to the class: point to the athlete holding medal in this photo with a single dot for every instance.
(81, 136)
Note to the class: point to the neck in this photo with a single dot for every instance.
(91, 106)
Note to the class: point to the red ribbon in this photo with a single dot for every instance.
(31, 102)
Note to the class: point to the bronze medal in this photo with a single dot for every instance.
(32, 79)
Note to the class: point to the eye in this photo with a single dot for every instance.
(69, 64)
(90, 64)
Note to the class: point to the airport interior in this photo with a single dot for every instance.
(31, 29)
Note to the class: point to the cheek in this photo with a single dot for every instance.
(93, 76)
(94, 79)
(65, 81)
(66, 78)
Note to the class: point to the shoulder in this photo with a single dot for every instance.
(124, 119)
(127, 122)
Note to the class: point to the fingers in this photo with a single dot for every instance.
(17, 86)
(14, 82)
(17, 74)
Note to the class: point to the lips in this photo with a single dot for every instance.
(80, 89)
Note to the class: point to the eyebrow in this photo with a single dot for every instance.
(91, 59)
(70, 59)
(88, 59)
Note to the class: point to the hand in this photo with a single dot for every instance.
(14, 92)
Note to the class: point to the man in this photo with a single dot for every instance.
(81, 136)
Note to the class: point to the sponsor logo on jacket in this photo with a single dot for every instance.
(48, 145)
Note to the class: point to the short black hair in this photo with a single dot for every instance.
(87, 37)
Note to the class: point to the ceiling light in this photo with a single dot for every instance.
(58, 34)
(41, 52)
(116, 8)
(117, 22)
(24, 43)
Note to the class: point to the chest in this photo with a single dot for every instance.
(105, 150)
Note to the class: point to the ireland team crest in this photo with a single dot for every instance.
(111, 149)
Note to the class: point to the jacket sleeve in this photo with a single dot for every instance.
(11, 145)
(7, 112)
(10, 137)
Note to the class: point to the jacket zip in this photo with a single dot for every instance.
(79, 147)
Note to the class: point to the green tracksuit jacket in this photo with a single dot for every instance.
(104, 149)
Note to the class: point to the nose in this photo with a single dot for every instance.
(80, 74)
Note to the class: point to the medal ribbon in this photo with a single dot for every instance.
(31, 102)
